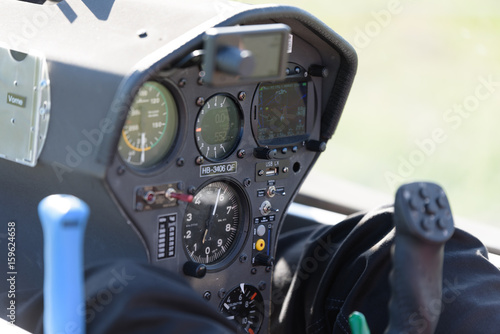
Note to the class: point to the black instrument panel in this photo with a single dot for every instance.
(210, 205)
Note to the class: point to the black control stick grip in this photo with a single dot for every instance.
(423, 221)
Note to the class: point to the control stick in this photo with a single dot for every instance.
(63, 218)
(423, 221)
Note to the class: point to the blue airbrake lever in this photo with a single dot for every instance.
(63, 218)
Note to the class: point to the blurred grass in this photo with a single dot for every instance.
(426, 60)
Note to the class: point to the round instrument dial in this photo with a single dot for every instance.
(218, 127)
(151, 126)
(213, 223)
(244, 305)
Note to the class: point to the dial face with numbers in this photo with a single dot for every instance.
(213, 223)
(218, 127)
(245, 306)
(151, 126)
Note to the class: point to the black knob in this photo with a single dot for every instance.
(318, 71)
(316, 145)
(264, 153)
(194, 269)
(263, 260)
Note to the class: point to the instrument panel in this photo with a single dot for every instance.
(207, 176)
(205, 173)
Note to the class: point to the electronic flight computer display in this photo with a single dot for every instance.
(281, 112)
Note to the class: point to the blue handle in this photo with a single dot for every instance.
(63, 218)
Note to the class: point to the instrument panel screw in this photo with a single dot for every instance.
(221, 293)
(120, 170)
(243, 258)
(191, 190)
(200, 101)
(199, 160)
(247, 182)
(207, 295)
(242, 96)
(180, 162)
(285, 170)
(200, 78)
(253, 271)
(268, 269)
(182, 82)
(262, 285)
(241, 153)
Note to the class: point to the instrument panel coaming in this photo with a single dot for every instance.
(255, 190)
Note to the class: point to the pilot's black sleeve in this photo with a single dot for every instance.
(320, 280)
(133, 298)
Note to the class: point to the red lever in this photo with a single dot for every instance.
(179, 196)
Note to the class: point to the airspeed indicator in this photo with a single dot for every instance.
(151, 126)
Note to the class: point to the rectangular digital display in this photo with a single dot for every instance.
(265, 48)
(281, 110)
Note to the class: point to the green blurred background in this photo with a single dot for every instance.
(425, 104)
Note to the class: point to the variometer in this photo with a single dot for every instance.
(213, 223)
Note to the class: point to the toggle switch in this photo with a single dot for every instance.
(272, 190)
(266, 208)
(171, 195)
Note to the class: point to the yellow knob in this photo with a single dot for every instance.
(260, 245)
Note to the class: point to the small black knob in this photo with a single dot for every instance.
(318, 71)
(316, 145)
(264, 153)
(263, 260)
(193, 269)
